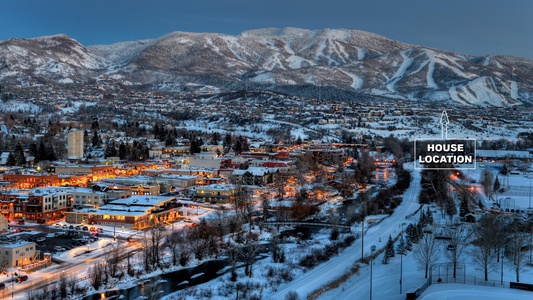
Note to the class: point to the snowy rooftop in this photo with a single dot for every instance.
(149, 201)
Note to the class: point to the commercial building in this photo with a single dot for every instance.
(136, 212)
(18, 254)
(75, 145)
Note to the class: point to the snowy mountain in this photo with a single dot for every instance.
(351, 61)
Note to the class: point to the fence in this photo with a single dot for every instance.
(468, 279)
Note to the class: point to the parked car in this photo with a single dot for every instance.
(40, 240)
(20, 222)
(2, 285)
(59, 248)
(22, 278)
(85, 228)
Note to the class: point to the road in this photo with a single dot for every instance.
(377, 235)
(77, 266)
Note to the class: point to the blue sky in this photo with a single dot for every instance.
(477, 27)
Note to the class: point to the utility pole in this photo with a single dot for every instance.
(363, 238)
(372, 249)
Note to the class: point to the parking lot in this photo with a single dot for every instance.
(54, 238)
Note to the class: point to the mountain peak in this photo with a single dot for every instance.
(347, 61)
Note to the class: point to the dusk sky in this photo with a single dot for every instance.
(477, 27)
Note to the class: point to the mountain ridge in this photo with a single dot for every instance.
(343, 59)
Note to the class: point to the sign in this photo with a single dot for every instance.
(444, 153)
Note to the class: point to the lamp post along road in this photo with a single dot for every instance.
(372, 249)
(401, 258)
(501, 258)
(529, 211)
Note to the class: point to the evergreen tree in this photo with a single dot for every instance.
(429, 216)
(122, 151)
(464, 209)
(170, 140)
(96, 139)
(227, 142)
(110, 150)
(11, 160)
(408, 245)
(215, 138)
(238, 145)
(41, 151)
(496, 187)
(402, 247)
(50, 153)
(413, 233)
(20, 159)
(195, 146)
(389, 251)
(33, 150)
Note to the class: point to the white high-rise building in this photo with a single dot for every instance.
(75, 144)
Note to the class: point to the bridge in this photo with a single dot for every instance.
(305, 224)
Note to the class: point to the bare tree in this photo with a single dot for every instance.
(71, 283)
(63, 285)
(96, 273)
(248, 252)
(365, 168)
(232, 251)
(113, 259)
(265, 203)
(459, 238)
(279, 182)
(199, 241)
(518, 240)
(483, 239)
(172, 243)
(426, 252)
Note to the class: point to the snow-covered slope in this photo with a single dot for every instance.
(56, 58)
(350, 60)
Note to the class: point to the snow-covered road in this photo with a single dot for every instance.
(338, 265)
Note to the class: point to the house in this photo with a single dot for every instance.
(254, 176)
(219, 193)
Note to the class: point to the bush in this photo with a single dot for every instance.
(292, 295)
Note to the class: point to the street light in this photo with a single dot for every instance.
(401, 258)
(501, 258)
(530, 210)
(372, 249)
(363, 238)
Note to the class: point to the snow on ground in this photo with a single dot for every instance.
(460, 291)
(338, 265)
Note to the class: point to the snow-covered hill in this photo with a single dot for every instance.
(287, 58)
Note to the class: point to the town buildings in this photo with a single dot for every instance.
(18, 254)
(75, 144)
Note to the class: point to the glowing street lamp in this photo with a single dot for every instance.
(372, 249)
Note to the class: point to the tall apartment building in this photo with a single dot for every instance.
(75, 144)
